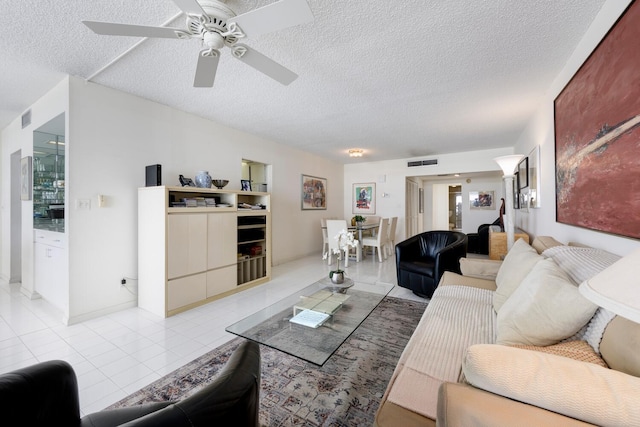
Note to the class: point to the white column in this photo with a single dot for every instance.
(509, 211)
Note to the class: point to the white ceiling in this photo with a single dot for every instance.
(398, 79)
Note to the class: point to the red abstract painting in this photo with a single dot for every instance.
(597, 135)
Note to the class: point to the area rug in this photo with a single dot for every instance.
(345, 391)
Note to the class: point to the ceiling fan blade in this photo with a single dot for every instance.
(207, 66)
(263, 64)
(190, 7)
(273, 17)
(112, 29)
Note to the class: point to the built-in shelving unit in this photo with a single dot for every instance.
(197, 245)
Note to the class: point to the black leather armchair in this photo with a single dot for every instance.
(47, 394)
(479, 242)
(421, 260)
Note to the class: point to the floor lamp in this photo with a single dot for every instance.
(616, 288)
(508, 165)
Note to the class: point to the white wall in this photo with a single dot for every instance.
(111, 137)
(540, 131)
(14, 138)
(395, 172)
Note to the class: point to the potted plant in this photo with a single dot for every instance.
(345, 240)
(358, 220)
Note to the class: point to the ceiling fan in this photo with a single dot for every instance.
(217, 26)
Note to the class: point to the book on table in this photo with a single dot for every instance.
(310, 318)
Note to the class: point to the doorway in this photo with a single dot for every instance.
(455, 207)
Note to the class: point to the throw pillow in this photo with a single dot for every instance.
(516, 265)
(579, 390)
(582, 263)
(545, 309)
(576, 350)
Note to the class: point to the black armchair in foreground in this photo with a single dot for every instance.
(46, 394)
(421, 260)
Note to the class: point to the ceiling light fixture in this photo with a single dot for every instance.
(356, 152)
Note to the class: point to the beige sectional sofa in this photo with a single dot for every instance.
(514, 343)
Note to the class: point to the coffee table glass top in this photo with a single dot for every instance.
(332, 315)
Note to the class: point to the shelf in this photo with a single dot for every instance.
(188, 256)
(200, 209)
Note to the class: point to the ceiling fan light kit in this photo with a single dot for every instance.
(217, 26)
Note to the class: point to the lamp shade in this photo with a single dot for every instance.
(617, 288)
(508, 163)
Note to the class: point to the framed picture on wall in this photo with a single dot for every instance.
(534, 177)
(523, 173)
(26, 178)
(314, 193)
(484, 200)
(597, 134)
(364, 198)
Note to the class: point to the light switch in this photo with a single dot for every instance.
(83, 204)
(101, 201)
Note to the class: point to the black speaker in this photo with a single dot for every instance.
(154, 175)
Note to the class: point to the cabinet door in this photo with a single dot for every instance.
(186, 244)
(187, 290)
(50, 276)
(221, 280)
(222, 237)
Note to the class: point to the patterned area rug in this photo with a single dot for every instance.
(345, 391)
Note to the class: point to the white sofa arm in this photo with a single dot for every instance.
(580, 390)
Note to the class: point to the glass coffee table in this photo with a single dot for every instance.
(312, 323)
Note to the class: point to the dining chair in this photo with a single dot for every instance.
(379, 241)
(335, 226)
(325, 238)
(391, 239)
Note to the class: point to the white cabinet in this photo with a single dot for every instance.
(189, 255)
(51, 275)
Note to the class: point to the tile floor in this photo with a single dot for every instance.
(117, 354)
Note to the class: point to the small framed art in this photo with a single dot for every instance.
(482, 200)
(26, 178)
(245, 185)
(364, 198)
(314, 193)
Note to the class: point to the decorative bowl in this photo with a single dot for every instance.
(220, 183)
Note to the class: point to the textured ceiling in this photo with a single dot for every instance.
(396, 78)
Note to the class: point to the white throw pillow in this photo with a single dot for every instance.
(581, 264)
(516, 265)
(579, 390)
(546, 308)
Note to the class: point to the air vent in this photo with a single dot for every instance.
(423, 162)
(26, 119)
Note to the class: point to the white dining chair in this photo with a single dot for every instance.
(379, 241)
(335, 226)
(325, 238)
(391, 239)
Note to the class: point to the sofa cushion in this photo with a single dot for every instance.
(480, 268)
(582, 263)
(456, 317)
(580, 390)
(576, 350)
(546, 308)
(516, 265)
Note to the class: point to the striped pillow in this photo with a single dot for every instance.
(582, 263)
